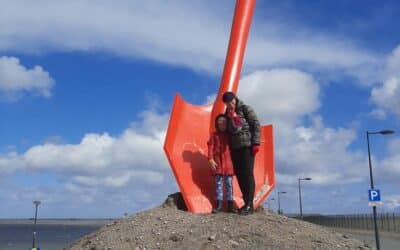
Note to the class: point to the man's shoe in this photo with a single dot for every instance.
(246, 210)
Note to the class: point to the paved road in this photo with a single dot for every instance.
(389, 241)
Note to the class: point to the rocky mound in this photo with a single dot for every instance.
(171, 227)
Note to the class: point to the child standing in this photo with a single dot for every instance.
(220, 162)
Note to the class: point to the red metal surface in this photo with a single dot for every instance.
(190, 127)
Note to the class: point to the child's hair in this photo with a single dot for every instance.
(219, 117)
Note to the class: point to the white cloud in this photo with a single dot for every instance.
(379, 114)
(89, 154)
(9, 163)
(392, 202)
(15, 79)
(282, 95)
(100, 159)
(131, 170)
(311, 50)
(193, 34)
(141, 29)
(387, 95)
(316, 151)
(121, 178)
(389, 168)
(320, 152)
(393, 64)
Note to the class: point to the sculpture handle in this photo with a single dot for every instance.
(234, 58)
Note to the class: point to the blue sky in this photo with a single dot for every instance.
(86, 89)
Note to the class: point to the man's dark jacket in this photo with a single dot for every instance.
(250, 133)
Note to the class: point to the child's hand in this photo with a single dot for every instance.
(213, 164)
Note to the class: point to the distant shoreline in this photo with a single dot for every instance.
(72, 221)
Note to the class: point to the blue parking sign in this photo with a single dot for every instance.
(374, 195)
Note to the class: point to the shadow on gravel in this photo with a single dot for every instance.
(175, 200)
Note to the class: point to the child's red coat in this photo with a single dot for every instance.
(218, 149)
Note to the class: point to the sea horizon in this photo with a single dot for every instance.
(57, 221)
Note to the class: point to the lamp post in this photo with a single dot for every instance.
(279, 201)
(37, 203)
(382, 132)
(301, 208)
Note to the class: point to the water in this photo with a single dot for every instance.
(386, 243)
(51, 236)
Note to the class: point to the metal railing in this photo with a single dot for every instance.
(389, 222)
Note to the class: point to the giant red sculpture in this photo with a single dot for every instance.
(190, 127)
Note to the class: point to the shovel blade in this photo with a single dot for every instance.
(186, 149)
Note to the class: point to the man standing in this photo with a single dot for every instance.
(244, 130)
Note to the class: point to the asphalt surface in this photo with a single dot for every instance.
(388, 241)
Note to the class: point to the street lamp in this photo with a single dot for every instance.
(37, 203)
(382, 132)
(279, 201)
(301, 208)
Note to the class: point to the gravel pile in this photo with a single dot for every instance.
(171, 227)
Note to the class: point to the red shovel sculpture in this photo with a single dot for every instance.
(190, 127)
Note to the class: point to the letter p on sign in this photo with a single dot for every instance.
(374, 195)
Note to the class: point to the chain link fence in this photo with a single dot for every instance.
(389, 222)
